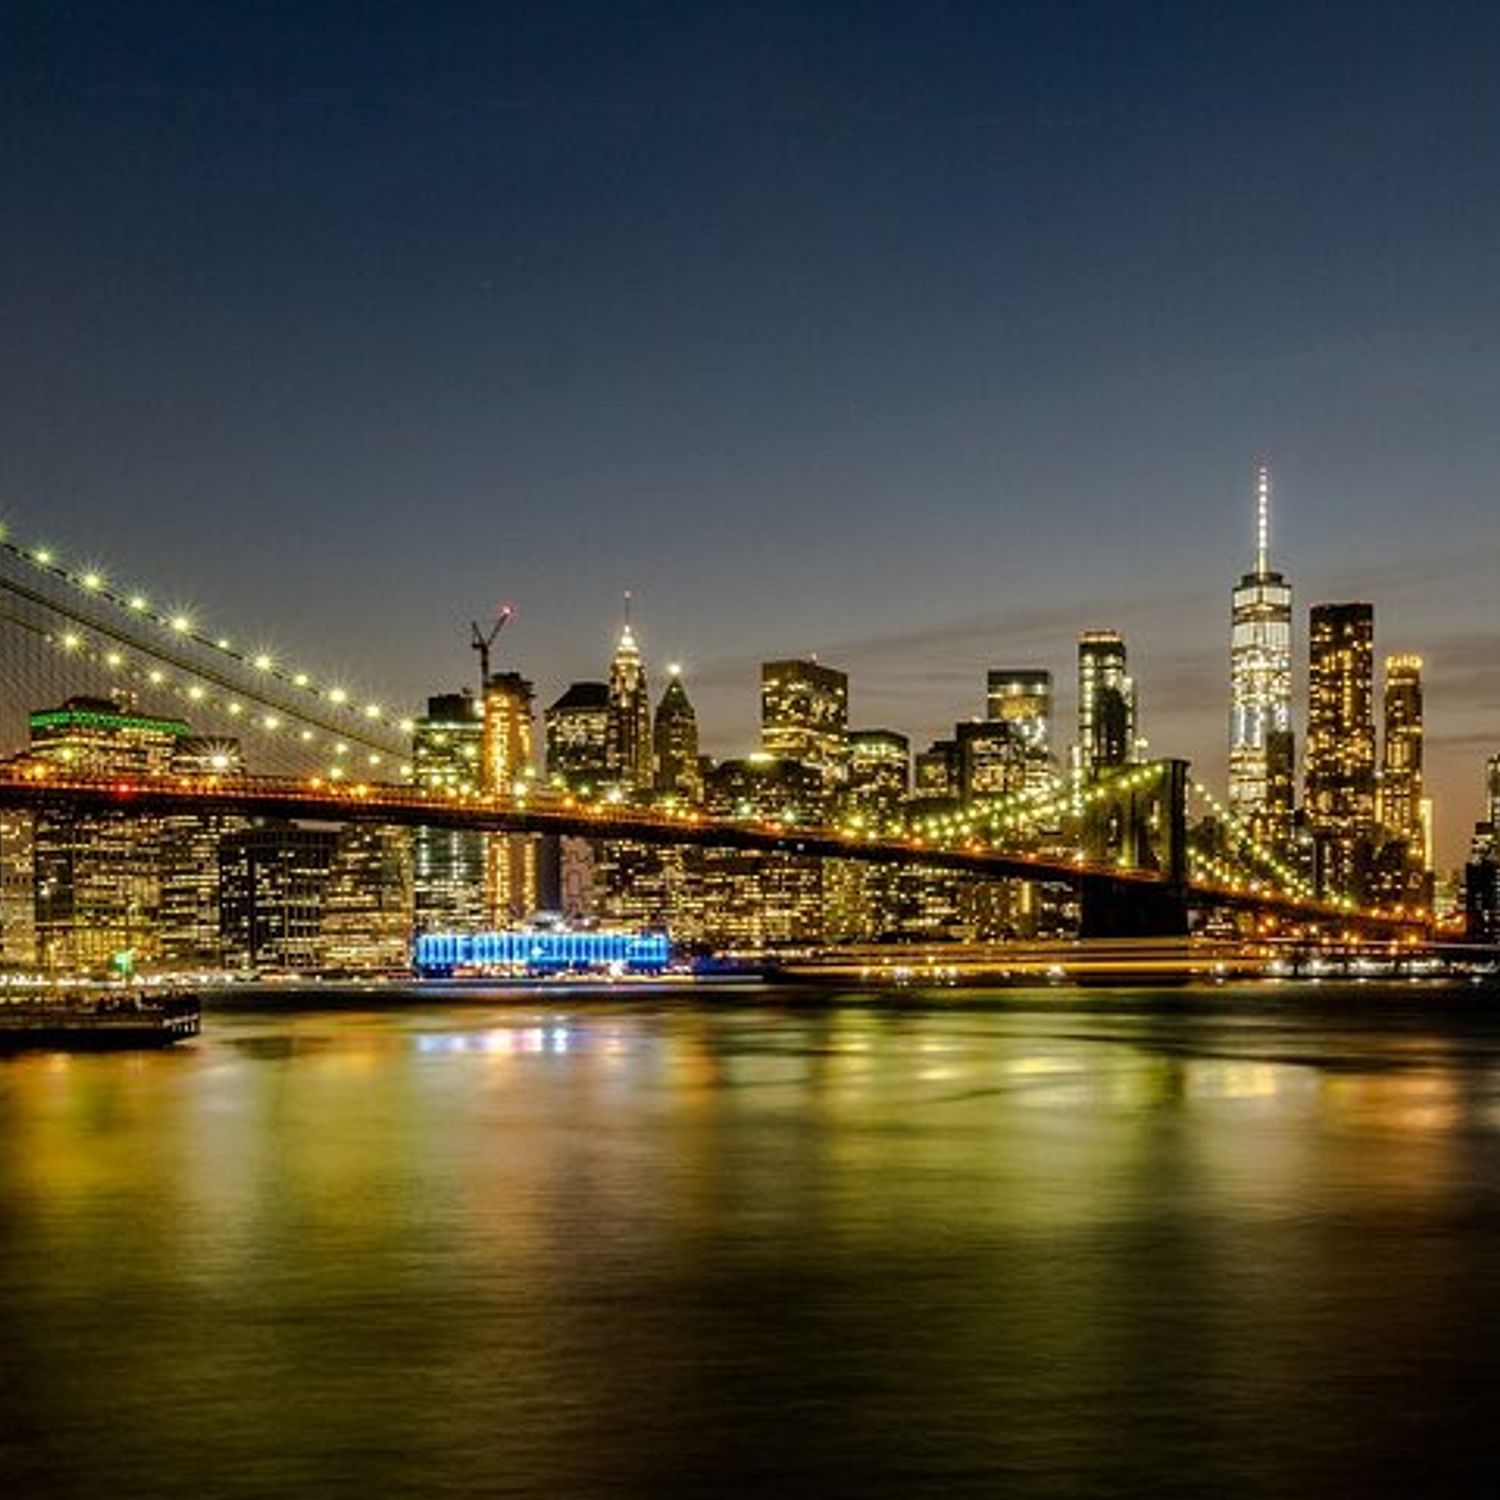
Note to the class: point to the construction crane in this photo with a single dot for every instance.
(481, 640)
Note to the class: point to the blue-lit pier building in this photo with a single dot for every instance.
(440, 955)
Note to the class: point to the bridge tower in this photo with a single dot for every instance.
(1136, 821)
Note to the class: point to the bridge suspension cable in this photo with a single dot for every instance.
(99, 632)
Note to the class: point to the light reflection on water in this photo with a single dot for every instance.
(1189, 1243)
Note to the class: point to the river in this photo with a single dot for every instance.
(1200, 1242)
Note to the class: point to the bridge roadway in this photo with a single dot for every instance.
(317, 799)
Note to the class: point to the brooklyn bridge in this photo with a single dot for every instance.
(1143, 847)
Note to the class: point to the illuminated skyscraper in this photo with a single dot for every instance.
(506, 766)
(1022, 698)
(675, 737)
(98, 874)
(879, 771)
(448, 864)
(628, 757)
(1404, 858)
(578, 736)
(1106, 703)
(1400, 798)
(190, 908)
(1340, 787)
(1261, 745)
(804, 715)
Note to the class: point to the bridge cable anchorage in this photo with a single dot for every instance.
(110, 633)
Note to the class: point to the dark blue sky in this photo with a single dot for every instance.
(922, 336)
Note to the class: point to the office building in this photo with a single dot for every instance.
(190, 920)
(879, 773)
(936, 773)
(628, 748)
(1262, 774)
(17, 888)
(98, 874)
(804, 715)
(507, 768)
(448, 864)
(577, 733)
(1106, 704)
(1021, 697)
(1401, 787)
(273, 892)
(1339, 793)
(679, 776)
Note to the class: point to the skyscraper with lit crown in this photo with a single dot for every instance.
(675, 738)
(628, 751)
(1261, 745)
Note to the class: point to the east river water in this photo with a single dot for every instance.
(1212, 1242)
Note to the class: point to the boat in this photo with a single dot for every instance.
(98, 1021)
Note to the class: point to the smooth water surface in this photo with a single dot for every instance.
(1051, 1243)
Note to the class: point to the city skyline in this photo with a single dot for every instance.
(853, 333)
(730, 683)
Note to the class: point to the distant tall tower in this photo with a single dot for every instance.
(1340, 791)
(1106, 703)
(1400, 810)
(628, 738)
(1261, 746)
(675, 737)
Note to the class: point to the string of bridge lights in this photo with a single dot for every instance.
(1293, 883)
(185, 689)
(1025, 811)
(179, 625)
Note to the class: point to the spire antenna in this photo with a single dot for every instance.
(1262, 521)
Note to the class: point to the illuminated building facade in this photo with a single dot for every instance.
(1400, 791)
(936, 771)
(98, 874)
(628, 749)
(17, 889)
(540, 951)
(577, 732)
(190, 920)
(1106, 703)
(804, 715)
(1482, 872)
(1262, 775)
(367, 903)
(273, 894)
(507, 768)
(448, 864)
(1340, 773)
(1021, 697)
(1403, 864)
(991, 759)
(754, 900)
(879, 772)
(675, 739)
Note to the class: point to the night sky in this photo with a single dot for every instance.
(918, 336)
